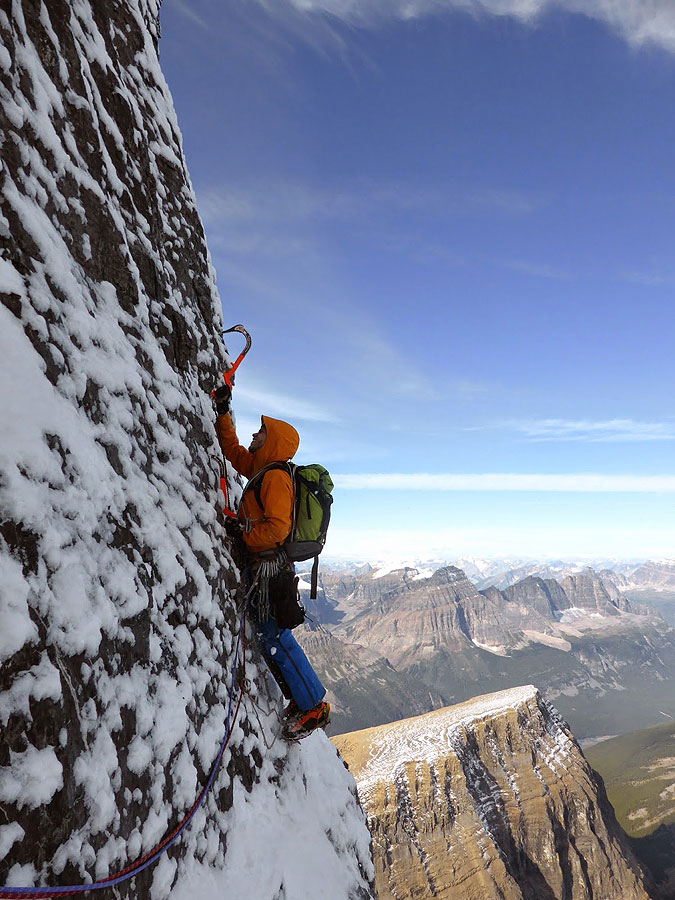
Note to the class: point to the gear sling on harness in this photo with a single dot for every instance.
(286, 659)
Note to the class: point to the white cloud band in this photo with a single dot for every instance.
(607, 431)
(260, 400)
(653, 484)
(638, 21)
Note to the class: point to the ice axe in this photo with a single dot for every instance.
(229, 373)
(228, 376)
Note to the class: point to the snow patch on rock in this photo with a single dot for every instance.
(428, 737)
(32, 778)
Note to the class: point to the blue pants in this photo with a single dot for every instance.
(283, 651)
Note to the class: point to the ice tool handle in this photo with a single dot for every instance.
(229, 373)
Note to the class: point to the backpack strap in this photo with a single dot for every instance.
(255, 484)
(315, 578)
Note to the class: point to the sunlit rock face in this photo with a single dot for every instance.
(606, 662)
(118, 612)
(488, 800)
(655, 574)
(409, 617)
(363, 687)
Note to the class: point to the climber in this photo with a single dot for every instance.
(264, 528)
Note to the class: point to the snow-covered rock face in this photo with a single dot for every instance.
(118, 594)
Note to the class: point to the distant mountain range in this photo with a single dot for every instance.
(391, 643)
(501, 572)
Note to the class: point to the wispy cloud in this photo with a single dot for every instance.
(538, 270)
(649, 279)
(513, 203)
(259, 244)
(291, 203)
(661, 484)
(639, 22)
(277, 201)
(466, 389)
(430, 253)
(271, 403)
(604, 431)
(186, 10)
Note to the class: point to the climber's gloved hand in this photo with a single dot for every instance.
(220, 399)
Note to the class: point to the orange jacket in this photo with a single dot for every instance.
(269, 525)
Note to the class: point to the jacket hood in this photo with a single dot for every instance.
(281, 443)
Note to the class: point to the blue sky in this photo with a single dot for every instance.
(448, 227)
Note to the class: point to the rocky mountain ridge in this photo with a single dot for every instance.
(587, 646)
(654, 574)
(489, 799)
(446, 609)
(363, 686)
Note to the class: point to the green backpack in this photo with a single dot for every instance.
(312, 487)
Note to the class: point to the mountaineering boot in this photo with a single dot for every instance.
(307, 722)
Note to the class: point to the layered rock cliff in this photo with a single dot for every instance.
(489, 799)
(119, 620)
(363, 687)
(655, 574)
(651, 584)
(605, 663)
(408, 615)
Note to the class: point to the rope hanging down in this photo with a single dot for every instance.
(135, 868)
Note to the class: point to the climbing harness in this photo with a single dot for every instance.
(135, 868)
(278, 597)
(228, 376)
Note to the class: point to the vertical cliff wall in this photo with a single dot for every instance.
(118, 618)
(488, 800)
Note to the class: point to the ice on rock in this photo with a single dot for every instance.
(37, 683)
(427, 738)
